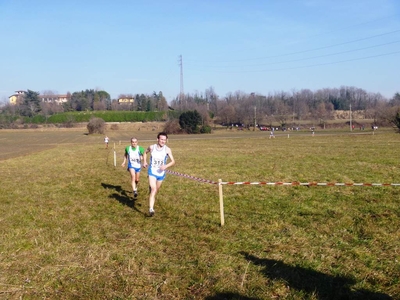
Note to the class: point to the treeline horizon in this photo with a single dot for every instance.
(234, 107)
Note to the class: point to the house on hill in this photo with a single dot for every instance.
(126, 100)
(58, 99)
(16, 98)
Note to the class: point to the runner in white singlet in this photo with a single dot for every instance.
(134, 155)
(159, 154)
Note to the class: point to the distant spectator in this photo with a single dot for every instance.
(271, 134)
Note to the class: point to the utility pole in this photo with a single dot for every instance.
(181, 92)
(255, 117)
(351, 127)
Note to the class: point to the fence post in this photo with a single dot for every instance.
(221, 202)
(115, 157)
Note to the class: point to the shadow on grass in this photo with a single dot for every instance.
(122, 197)
(312, 282)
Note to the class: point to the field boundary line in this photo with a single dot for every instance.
(297, 183)
(293, 183)
(220, 183)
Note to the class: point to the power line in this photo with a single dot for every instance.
(332, 63)
(306, 58)
(351, 26)
(309, 66)
(333, 30)
(305, 51)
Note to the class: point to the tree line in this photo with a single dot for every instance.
(30, 103)
(286, 108)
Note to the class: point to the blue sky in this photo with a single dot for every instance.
(258, 46)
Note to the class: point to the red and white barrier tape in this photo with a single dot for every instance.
(191, 177)
(294, 183)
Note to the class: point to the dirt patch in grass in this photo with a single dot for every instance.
(20, 142)
(136, 126)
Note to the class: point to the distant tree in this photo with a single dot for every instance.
(149, 105)
(50, 108)
(211, 98)
(104, 101)
(227, 114)
(49, 92)
(31, 104)
(282, 113)
(99, 105)
(396, 120)
(67, 106)
(323, 112)
(115, 105)
(162, 104)
(141, 102)
(190, 121)
(88, 100)
(393, 111)
(395, 101)
(79, 101)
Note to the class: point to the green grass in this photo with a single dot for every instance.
(69, 229)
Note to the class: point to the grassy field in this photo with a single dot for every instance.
(69, 228)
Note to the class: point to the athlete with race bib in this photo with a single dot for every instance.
(159, 154)
(134, 156)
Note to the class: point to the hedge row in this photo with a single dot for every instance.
(107, 116)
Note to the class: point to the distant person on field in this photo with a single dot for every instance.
(134, 156)
(106, 140)
(159, 154)
(271, 135)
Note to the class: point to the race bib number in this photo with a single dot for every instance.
(157, 163)
(135, 160)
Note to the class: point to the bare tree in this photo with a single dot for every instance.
(227, 114)
(282, 113)
(211, 99)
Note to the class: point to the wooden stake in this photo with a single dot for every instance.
(115, 157)
(221, 202)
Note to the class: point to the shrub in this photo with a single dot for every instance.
(190, 121)
(172, 127)
(96, 125)
(205, 129)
